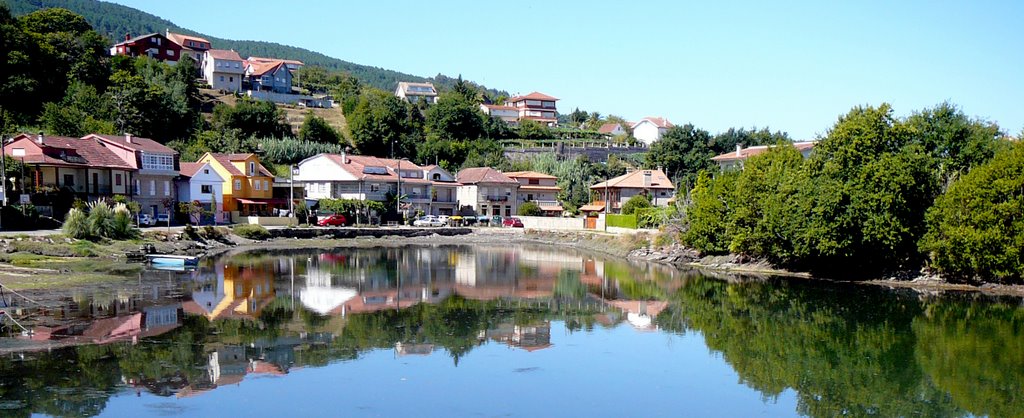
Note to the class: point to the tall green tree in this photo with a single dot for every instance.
(316, 129)
(455, 117)
(956, 141)
(682, 152)
(726, 141)
(251, 118)
(380, 123)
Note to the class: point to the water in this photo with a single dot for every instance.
(507, 331)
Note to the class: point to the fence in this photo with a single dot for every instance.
(542, 222)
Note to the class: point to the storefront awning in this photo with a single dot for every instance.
(255, 201)
(251, 202)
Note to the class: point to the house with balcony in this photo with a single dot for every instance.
(223, 70)
(484, 191)
(507, 114)
(192, 46)
(536, 106)
(199, 182)
(247, 187)
(153, 45)
(156, 167)
(736, 158)
(82, 166)
(615, 192)
(539, 188)
(430, 189)
(650, 129)
(270, 76)
(416, 92)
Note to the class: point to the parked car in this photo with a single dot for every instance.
(429, 220)
(512, 223)
(336, 219)
(163, 218)
(445, 220)
(146, 220)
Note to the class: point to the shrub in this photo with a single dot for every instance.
(100, 222)
(255, 232)
(75, 224)
(636, 202)
(530, 209)
(121, 225)
(622, 221)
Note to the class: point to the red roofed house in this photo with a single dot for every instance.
(223, 70)
(292, 65)
(272, 76)
(343, 176)
(485, 191)
(539, 188)
(654, 183)
(736, 158)
(156, 167)
(83, 166)
(651, 129)
(154, 45)
(536, 106)
(611, 129)
(192, 46)
(247, 184)
(508, 114)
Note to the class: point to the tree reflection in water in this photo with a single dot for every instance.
(844, 349)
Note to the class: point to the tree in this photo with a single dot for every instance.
(728, 140)
(82, 111)
(956, 141)
(455, 117)
(316, 129)
(250, 118)
(380, 124)
(531, 129)
(530, 209)
(710, 213)
(975, 228)
(640, 201)
(681, 152)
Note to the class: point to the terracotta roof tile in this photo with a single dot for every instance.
(635, 180)
(136, 144)
(224, 54)
(482, 175)
(608, 128)
(532, 96)
(657, 121)
(90, 150)
(529, 175)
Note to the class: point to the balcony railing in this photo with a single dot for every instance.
(496, 198)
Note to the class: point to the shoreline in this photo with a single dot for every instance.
(632, 247)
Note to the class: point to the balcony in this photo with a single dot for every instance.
(496, 198)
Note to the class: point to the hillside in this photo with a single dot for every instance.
(114, 20)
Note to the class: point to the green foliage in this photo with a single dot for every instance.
(957, 141)
(381, 121)
(316, 129)
(530, 129)
(291, 151)
(710, 212)
(656, 216)
(254, 232)
(349, 207)
(82, 111)
(640, 201)
(976, 229)
(726, 141)
(251, 118)
(455, 117)
(530, 209)
(682, 152)
(621, 221)
(76, 224)
(100, 222)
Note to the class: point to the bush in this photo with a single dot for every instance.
(100, 222)
(530, 209)
(75, 224)
(621, 221)
(636, 202)
(255, 232)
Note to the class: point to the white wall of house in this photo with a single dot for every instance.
(647, 132)
(194, 190)
(659, 197)
(320, 174)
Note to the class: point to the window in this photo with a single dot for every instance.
(374, 187)
(508, 191)
(266, 185)
(157, 162)
(152, 187)
(534, 181)
(221, 78)
(257, 185)
(170, 52)
(206, 189)
(238, 64)
(231, 79)
(18, 152)
(117, 179)
(167, 188)
(206, 171)
(238, 184)
(252, 168)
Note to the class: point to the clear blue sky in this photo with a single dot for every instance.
(791, 66)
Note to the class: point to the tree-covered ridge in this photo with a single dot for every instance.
(113, 21)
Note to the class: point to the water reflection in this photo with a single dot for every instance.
(836, 349)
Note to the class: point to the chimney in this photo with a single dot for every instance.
(739, 150)
(39, 138)
(127, 36)
(128, 137)
(647, 178)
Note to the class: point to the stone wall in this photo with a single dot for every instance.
(365, 232)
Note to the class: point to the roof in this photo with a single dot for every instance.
(482, 175)
(224, 54)
(356, 166)
(554, 208)
(226, 159)
(141, 37)
(190, 169)
(608, 128)
(591, 208)
(530, 175)
(136, 143)
(744, 153)
(264, 67)
(180, 39)
(532, 96)
(657, 121)
(91, 151)
(262, 59)
(500, 107)
(404, 86)
(635, 180)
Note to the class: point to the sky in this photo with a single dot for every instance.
(792, 66)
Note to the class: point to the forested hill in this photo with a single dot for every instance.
(114, 21)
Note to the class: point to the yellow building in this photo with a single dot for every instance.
(248, 186)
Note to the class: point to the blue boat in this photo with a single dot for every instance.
(172, 260)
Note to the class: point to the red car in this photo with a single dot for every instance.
(512, 223)
(336, 219)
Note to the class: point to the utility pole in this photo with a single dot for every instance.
(3, 178)
(291, 193)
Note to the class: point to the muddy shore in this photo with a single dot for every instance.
(54, 273)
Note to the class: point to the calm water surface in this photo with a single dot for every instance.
(505, 331)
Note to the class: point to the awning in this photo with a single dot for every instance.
(591, 208)
(250, 202)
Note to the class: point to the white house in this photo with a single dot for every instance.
(223, 70)
(508, 114)
(487, 192)
(199, 182)
(651, 129)
(617, 191)
(416, 92)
